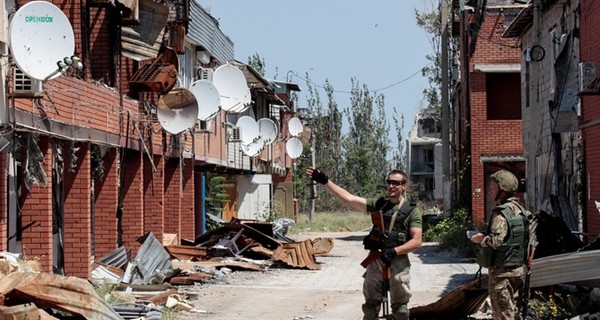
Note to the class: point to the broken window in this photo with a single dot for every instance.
(503, 96)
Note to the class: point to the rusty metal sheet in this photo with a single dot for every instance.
(69, 294)
(297, 254)
(24, 311)
(187, 252)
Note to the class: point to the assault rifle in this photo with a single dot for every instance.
(532, 243)
(377, 220)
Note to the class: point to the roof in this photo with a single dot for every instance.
(257, 84)
(521, 23)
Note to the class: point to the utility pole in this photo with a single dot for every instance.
(446, 178)
(313, 185)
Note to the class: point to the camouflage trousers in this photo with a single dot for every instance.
(399, 289)
(504, 289)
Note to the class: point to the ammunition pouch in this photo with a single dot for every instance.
(394, 240)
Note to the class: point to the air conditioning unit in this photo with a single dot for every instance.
(203, 73)
(588, 80)
(24, 86)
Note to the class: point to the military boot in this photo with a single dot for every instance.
(400, 311)
(370, 309)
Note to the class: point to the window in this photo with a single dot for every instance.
(429, 185)
(503, 96)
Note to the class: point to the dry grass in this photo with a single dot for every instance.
(332, 222)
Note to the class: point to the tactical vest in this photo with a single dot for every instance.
(400, 233)
(512, 252)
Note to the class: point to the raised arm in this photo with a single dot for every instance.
(340, 193)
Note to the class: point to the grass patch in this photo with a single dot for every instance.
(332, 222)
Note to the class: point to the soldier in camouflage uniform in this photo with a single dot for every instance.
(404, 236)
(507, 235)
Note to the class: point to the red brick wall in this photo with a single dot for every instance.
(187, 202)
(489, 136)
(105, 206)
(590, 114)
(154, 196)
(172, 198)
(77, 215)
(37, 207)
(4, 202)
(133, 206)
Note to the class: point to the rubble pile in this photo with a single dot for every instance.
(146, 286)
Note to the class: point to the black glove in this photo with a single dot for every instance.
(371, 243)
(388, 255)
(319, 176)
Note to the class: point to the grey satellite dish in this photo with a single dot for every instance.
(177, 110)
(293, 147)
(233, 89)
(295, 127)
(268, 130)
(253, 149)
(207, 97)
(249, 131)
(40, 37)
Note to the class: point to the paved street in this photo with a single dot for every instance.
(334, 292)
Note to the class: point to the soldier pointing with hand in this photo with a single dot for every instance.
(403, 229)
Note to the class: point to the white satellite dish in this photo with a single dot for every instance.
(253, 149)
(233, 89)
(177, 110)
(40, 36)
(293, 148)
(207, 97)
(268, 130)
(249, 131)
(295, 127)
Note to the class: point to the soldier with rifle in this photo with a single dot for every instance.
(503, 248)
(389, 244)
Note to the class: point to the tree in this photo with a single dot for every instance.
(367, 144)
(257, 63)
(431, 23)
(399, 155)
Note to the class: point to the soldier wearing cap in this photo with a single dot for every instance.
(507, 238)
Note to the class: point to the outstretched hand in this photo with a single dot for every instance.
(317, 175)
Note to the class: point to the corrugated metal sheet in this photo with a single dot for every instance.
(204, 31)
(142, 42)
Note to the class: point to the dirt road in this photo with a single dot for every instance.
(334, 292)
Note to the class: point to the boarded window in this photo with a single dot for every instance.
(503, 96)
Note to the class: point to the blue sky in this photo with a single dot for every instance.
(377, 42)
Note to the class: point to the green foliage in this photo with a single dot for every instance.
(257, 63)
(451, 233)
(367, 144)
(552, 306)
(217, 195)
(332, 221)
(106, 291)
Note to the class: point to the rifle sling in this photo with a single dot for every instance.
(394, 216)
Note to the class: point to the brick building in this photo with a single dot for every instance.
(87, 166)
(486, 99)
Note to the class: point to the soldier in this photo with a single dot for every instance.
(404, 236)
(504, 246)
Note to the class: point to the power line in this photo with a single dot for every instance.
(376, 90)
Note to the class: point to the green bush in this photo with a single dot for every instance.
(451, 233)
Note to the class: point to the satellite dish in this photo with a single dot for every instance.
(249, 131)
(177, 110)
(293, 148)
(268, 130)
(207, 97)
(40, 36)
(233, 89)
(295, 127)
(253, 149)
